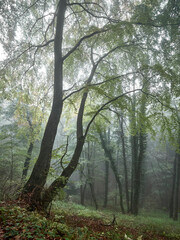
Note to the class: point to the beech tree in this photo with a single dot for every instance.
(40, 171)
(90, 47)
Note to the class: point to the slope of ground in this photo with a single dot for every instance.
(71, 221)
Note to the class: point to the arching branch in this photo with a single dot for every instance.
(104, 105)
(81, 40)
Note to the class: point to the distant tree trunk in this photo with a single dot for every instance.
(11, 176)
(138, 145)
(82, 192)
(106, 180)
(134, 149)
(124, 162)
(176, 188)
(137, 174)
(106, 176)
(83, 185)
(174, 202)
(30, 148)
(27, 161)
(108, 153)
(134, 152)
(171, 205)
(90, 177)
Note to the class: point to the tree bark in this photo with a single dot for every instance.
(34, 185)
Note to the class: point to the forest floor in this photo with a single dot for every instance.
(71, 221)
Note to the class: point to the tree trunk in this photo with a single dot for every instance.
(90, 178)
(83, 185)
(106, 180)
(124, 162)
(134, 149)
(176, 187)
(33, 187)
(137, 178)
(27, 161)
(108, 153)
(138, 145)
(61, 181)
(82, 193)
(173, 189)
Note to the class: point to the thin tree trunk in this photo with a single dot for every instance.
(176, 188)
(138, 145)
(106, 180)
(27, 161)
(134, 149)
(82, 192)
(137, 185)
(90, 179)
(108, 153)
(124, 162)
(83, 186)
(173, 189)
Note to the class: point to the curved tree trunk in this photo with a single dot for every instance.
(61, 181)
(33, 187)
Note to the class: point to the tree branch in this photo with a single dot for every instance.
(66, 149)
(104, 105)
(81, 40)
(97, 84)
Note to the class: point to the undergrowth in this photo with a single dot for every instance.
(72, 221)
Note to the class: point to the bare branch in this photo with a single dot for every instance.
(104, 105)
(38, 19)
(88, 3)
(43, 44)
(99, 83)
(81, 40)
(158, 100)
(29, 8)
(89, 12)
